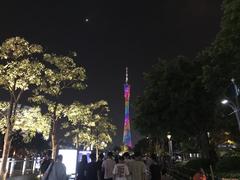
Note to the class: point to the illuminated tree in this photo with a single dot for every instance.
(62, 74)
(91, 125)
(19, 70)
(24, 119)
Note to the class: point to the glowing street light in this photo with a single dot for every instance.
(234, 106)
(169, 136)
(224, 101)
(170, 149)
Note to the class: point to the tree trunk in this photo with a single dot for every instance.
(204, 142)
(7, 141)
(5, 154)
(54, 140)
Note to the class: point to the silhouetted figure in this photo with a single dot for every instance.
(92, 168)
(82, 168)
(56, 170)
(155, 168)
(46, 162)
(165, 175)
(99, 165)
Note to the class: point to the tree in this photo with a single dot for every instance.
(62, 73)
(20, 69)
(175, 101)
(91, 125)
(221, 61)
(28, 122)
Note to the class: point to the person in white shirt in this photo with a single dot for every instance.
(128, 160)
(120, 170)
(56, 170)
(108, 166)
(137, 168)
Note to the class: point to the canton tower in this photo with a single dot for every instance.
(127, 140)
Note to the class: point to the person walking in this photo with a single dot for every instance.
(82, 168)
(108, 166)
(56, 170)
(120, 170)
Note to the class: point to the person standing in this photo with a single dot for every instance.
(108, 166)
(82, 168)
(120, 170)
(92, 169)
(165, 175)
(138, 168)
(155, 168)
(99, 165)
(56, 171)
(45, 163)
(128, 160)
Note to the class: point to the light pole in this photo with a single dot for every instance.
(170, 150)
(234, 106)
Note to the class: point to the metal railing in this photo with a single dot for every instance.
(16, 167)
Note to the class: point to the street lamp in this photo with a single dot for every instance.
(224, 101)
(234, 106)
(170, 150)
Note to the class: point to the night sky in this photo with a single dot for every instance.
(118, 34)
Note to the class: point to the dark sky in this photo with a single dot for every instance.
(118, 34)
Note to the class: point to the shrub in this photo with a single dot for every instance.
(195, 164)
(228, 163)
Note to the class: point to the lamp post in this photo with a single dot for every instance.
(170, 150)
(234, 106)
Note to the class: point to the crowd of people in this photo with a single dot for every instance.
(110, 167)
(123, 167)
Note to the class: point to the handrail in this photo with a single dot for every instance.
(23, 166)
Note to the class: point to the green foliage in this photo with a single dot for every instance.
(174, 100)
(61, 73)
(228, 163)
(222, 57)
(20, 70)
(183, 96)
(17, 48)
(195, 164)
(90, 124)
(143, 146)
(64, 74)
(28, 121)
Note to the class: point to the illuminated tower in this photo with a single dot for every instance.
(127, 140)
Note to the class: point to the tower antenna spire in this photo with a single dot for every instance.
(126, 74)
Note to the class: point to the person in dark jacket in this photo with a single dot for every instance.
(99, 165)
(92, 168)
(82, 168)
(155, 168)
(46, 162)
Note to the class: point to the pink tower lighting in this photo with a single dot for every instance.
(127, 140)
